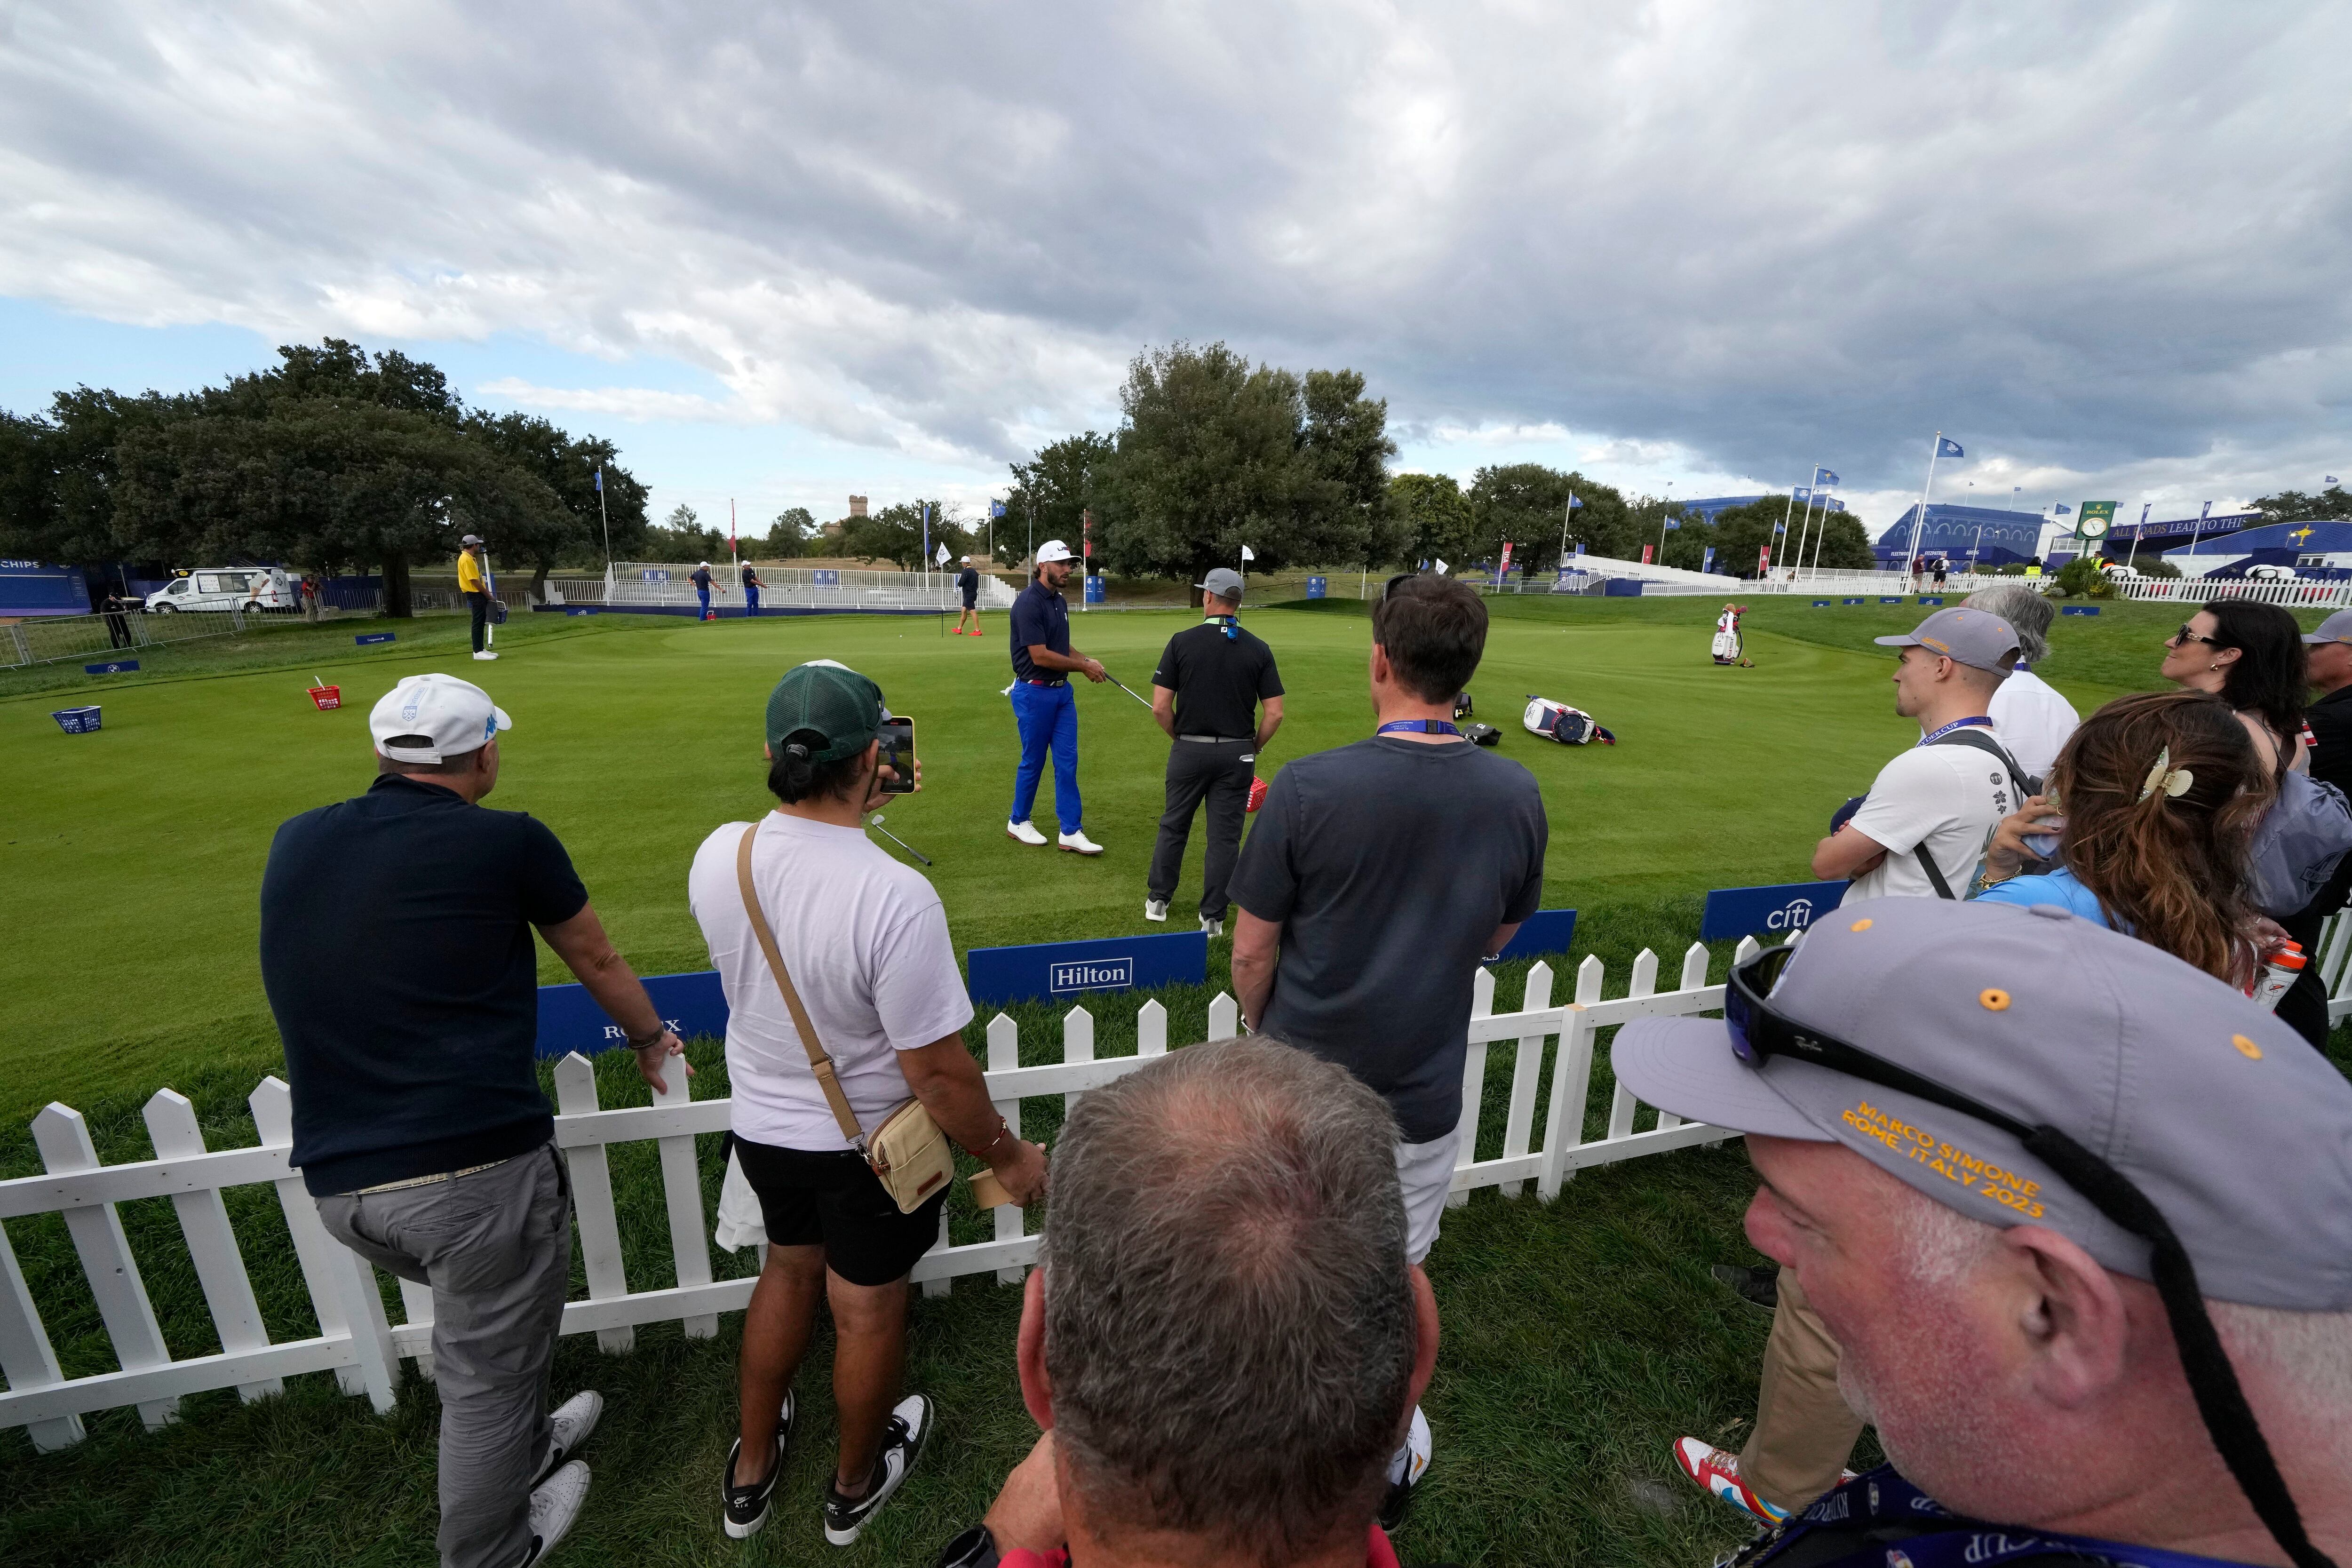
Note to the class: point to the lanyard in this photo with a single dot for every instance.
(1420, 726)
(1231, 625)
(1980, 722)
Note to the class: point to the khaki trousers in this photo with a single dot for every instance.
(1804, 1433)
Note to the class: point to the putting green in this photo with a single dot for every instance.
(133, 856)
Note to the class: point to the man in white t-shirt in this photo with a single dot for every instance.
(1944, 796)
(2033, 722)
(865, 942)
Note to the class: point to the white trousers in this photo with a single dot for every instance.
(1426, 1173)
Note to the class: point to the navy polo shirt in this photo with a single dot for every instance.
(1040, 616)
(397, 950)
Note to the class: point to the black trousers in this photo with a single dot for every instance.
(1218, 772)
(480, 605)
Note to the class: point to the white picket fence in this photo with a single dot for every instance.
(2296, 594)
(359, 1343)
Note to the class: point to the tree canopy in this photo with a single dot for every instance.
(334, 457)
(2330, 505)
(1051, 493)
(898, 533)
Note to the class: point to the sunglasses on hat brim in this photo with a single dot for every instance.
(1759, 1032)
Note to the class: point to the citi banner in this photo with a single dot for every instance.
(1760, 912)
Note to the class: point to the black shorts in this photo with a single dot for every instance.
(833, 1200)
(971, 603)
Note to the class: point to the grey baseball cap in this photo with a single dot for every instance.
(1224, 582)
(1975, 637)
(2237, 1130)
(2336, 627)
(472, 539)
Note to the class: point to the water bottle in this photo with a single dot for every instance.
(2279, 974)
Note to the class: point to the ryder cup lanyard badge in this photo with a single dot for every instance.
(1981, 722)
(1418, 726)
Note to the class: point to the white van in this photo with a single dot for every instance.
(2271, 574)
(224, 588)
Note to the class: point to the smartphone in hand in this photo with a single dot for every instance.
(898, 756)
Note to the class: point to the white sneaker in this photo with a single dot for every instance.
(902, 1444)
(569, 1425)
(486, 653)
(1155, 909)
(1079, 844)
(1214, 928)
(1406, 1470)
(555, 1505)
(1024, 831)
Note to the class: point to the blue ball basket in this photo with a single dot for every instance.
(77, 720)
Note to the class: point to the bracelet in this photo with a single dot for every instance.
(1002, 1127)
(650, 1041)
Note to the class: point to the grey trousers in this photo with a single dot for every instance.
(1218, 772)
(496, 1248)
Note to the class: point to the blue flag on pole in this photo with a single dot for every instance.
(1804, 494)
(600, 479)
(1947, 447)
(2332, 480)
(1826, 476)
(1672, 523)
(2061, 510)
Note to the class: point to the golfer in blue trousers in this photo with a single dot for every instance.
(1044, 706)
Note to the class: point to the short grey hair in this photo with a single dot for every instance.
(1230, 1327)
(2028, 611)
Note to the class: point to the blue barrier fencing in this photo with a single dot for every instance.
(1781, 906)
(1546, 931)
(366, 637)
(1042, 971)
(118, 666)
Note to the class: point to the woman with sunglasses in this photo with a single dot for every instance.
(2251, 657)
(2162, 792)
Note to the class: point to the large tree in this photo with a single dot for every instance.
(1432, 517)
(790, 533)
(2330, 505)
(1051, 493)
(1215, 454)
(1528, 504)
(576, 531)
(899, 535)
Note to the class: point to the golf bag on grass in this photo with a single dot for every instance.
(1559, 721)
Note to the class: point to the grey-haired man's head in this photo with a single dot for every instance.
(1232, 1338)
(2028, 611)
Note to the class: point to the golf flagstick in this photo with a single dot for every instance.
(491, 590)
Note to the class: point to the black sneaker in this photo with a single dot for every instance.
(1757, 1287)
(745, 1508)
(902, 1444)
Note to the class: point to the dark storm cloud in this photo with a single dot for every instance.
(2094, 241)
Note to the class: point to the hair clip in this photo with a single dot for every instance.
(2174, 781)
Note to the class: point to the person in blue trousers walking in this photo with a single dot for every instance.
(1043, 703)
(700, 578)
(752, 587)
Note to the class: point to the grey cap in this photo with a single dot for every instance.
(2336, 627)
(1975, 637)
(1224, 582)
(2234, 1128)
(472, 539)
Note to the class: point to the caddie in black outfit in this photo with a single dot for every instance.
(1207, 694)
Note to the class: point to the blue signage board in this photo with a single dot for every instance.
(1317, 586)
(1783, 907)
(119, 666)
(1094, 589)
(1546, 931)
(1621, 588)
(827, 576)
(366, 637)
(1890, 598)
(1858, 601)
(1065, 971)
(582, 609)
(2078, 609)
(689, 1004)
(653, 576)
(1821, 603)
(1926, 599)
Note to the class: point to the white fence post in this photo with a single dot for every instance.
(25, 1353)
(1077, 1046)
(1150, 1031)
(592, 1200)
(1474, 1082)
(1527, 1071)
(689, 1243)
(1004, 1055)
(212, 1242)
(1571, 1080)
(1224, 1017)
(1694, 976)
(314, 1249)
(1645, 984)
(63, 1139)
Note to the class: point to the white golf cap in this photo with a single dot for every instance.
(1052, 550)
(452, 716)
(706, 563)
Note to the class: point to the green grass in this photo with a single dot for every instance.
(1579, 1339)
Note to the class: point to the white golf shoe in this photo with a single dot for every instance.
(486, 653)
(1079, 844)
(1155, 909)
(554, 1506)
(1213, 927)
(1024, 831)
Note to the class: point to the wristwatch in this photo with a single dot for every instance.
(650, 1041)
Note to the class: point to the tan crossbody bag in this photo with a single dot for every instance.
(908, 1154)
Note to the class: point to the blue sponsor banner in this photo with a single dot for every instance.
(1925, 599)
(366, 637)
(1821, 603)
(826, 577)
(1051, 971)
(1318, 586)
(689, 1004)
(2078, 609)
(1094, 589)
(582, 609)
(651, 575)
(118, 666)
(1546, 931)
(1890, 598)
(1859, 601)
(1783, 907)
(1621, 588)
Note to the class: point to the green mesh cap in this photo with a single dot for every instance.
(831, 698)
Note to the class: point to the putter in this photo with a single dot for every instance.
(875, 822)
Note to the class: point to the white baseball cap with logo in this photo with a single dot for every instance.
(452, 717)
(1052, 550)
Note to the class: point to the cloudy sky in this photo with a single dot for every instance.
(782, 253)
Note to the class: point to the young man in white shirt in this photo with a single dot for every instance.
(865, 941)
(1942, 798)
(2033, 722)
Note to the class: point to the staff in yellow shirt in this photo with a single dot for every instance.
(477, 597)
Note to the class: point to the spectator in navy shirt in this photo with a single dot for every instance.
(967, 584)
(1042, 704)
(700, 577)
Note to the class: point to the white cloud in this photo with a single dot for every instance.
(1680, 241)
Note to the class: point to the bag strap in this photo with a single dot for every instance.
(1935, 875)
(819, 1063)
(1977, 742)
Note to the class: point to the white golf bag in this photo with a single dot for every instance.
(1559, 721)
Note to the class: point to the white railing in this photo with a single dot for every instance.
(1824, 582)
(2296, 593)
(786, 587)
(359, 1343)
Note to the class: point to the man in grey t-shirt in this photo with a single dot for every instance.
(1378, 876)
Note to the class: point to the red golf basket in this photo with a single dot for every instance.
(326, 698)
(1256, 795)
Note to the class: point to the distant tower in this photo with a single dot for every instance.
(857, 505)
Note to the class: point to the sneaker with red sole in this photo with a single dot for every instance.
(1717, 1470)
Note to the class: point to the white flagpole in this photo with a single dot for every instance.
(1821, 534)
(1805, 525)
(1786, 513)
(1920, 520)
(734, 565)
